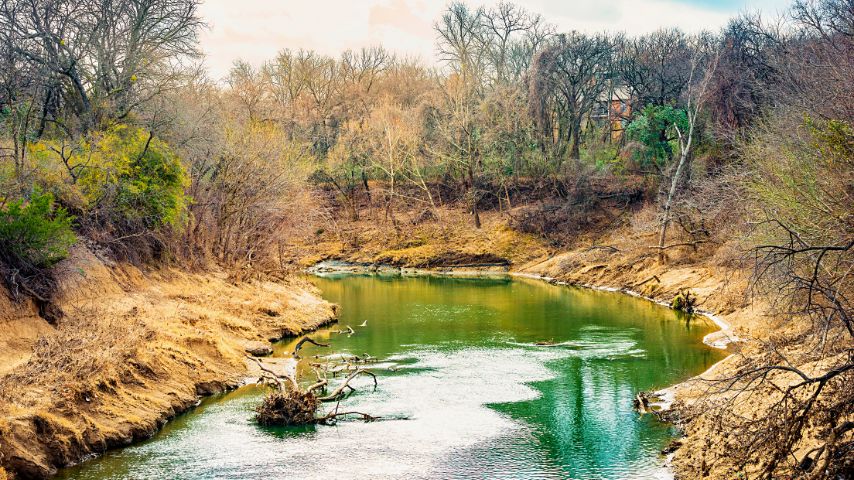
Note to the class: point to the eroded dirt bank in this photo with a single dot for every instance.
(133, 350)
(136, 349)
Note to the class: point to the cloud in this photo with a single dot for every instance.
(402, 15)
(254, 30)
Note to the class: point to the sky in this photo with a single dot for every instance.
(254, 30)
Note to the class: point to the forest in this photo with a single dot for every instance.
(113, 135)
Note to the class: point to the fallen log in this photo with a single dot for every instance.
(269, 376)
(290, 405)
(349, 331)
(331, 417)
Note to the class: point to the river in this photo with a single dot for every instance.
(466, 390)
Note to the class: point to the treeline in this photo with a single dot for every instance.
(107, 114)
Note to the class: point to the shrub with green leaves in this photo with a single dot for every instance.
(655, 129)
(133, 178)
(34, 234)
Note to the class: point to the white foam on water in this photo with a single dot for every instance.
(444, 400)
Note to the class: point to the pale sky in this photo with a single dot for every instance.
(254, 30)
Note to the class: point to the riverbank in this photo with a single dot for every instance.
(134, 349)
(137, 348)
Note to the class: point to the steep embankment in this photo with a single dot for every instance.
(133, 350)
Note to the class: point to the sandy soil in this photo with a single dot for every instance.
(134, 350)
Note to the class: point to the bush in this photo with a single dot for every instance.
(684, 301)
(134, 181)
(655, 129)
(34, 234)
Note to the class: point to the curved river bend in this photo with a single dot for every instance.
(460, 362)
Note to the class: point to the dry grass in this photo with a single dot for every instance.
(134, 350)
(450, 240)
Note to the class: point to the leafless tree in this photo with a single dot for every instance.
(566, 80)
(746, 76)
(103, 57)
(703, 67)
(460, 42)
(655, 67)
(504, 29)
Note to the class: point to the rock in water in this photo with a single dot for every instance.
(258, 349)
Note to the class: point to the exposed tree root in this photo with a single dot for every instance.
(287, 408)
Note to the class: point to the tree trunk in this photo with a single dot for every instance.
(674, 184)
(575, 151)
(86, 105)
(473, 193)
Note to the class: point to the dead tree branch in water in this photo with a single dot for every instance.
(291, 405)
(338, 393)
(299, 345)
(269, 377)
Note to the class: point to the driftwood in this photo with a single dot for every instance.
(291, 405)
(331, 417)
(693, 244)
(287, 408)
(338, 393)
(641, 402)
(272, 378)
(349, 331)
(654, 277)
(303, 341)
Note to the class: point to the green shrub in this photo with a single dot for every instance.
(134, 180)
(34, 234)
(655, 129)
(684, 301)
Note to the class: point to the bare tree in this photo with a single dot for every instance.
(248, 86)
(703, 65)
(746, 73)
(460, 42)
(106, 55)
(566, 81)
(656, 67)
(502, 25)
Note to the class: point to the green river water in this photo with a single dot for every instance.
(481, 400)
